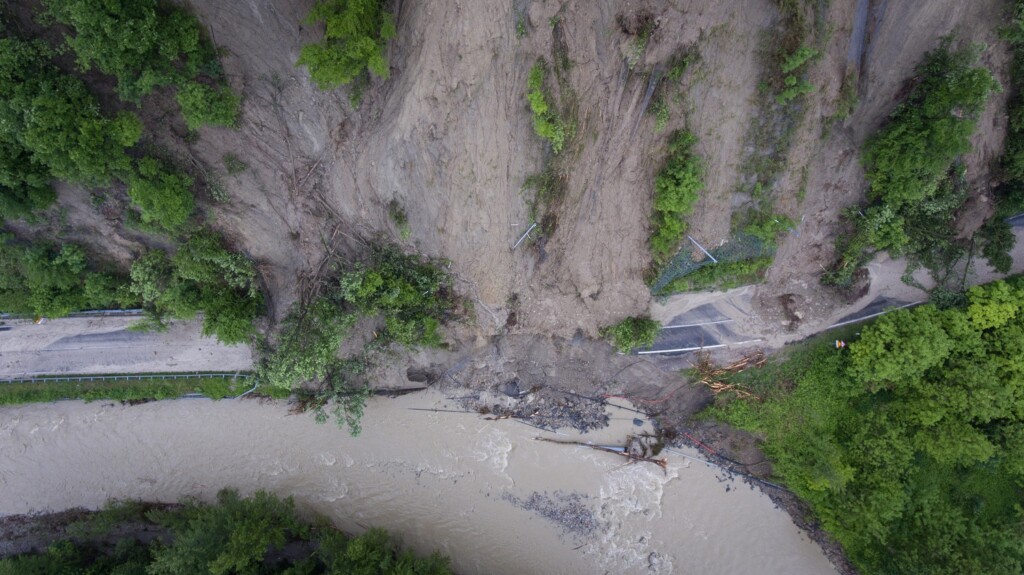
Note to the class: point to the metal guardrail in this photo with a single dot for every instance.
(86, 313)
(162, 376)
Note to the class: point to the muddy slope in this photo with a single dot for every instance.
(449, 136)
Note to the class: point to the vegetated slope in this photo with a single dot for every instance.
(448, 138)
(897, 39)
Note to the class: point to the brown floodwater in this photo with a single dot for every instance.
(485, 493)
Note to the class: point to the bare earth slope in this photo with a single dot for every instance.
(449, 136)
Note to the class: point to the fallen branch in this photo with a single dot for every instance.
(662, 463)
(711, 375)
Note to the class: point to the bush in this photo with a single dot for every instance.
(356, 34)
(204, 105)
(908, 446)
(631, 333)
(233, 164)
(675, 191)
(121, 390)
(163, 195)
(546, 122)
(401, 220)
(722, 276)
(794, 86)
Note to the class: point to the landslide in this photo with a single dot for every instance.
(449, 137)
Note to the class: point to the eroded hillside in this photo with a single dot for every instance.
(449, 138)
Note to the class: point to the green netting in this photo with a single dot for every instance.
(740, 247)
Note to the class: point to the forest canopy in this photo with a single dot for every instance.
(235, 535)
(909, 445)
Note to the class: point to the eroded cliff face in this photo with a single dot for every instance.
(449, 137)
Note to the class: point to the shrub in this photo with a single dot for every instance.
(722, 276)
(794, 86)
(234, 165)
(794, 89)
(675, 191)
(546, 122)
(164, 196)
(356, 34)
(631, 333)
(798, 58)
(401, 220)
(204, 105)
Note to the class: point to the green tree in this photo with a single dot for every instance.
(202, 277)
(206, 105)
(354, 42)
(676, 188)
(164, 196)
(905, 161)
(50, 119)
(145, 44)
(413, 295)
(24, 183)
(307, 344)
(230, 537)
(258, 535)
(907, 446)
(42, 280)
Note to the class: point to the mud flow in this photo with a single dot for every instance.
(487, 493)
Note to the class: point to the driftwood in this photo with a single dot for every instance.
(711, 374)
(633, 458)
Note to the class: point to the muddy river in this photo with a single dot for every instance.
(487, 493)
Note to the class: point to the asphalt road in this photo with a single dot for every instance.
(707, 326)
(91, 345)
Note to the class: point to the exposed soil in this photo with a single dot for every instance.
(449, 138)
(319, 174)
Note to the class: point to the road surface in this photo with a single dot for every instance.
(85, 345)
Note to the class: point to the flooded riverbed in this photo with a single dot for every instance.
(484, 492)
